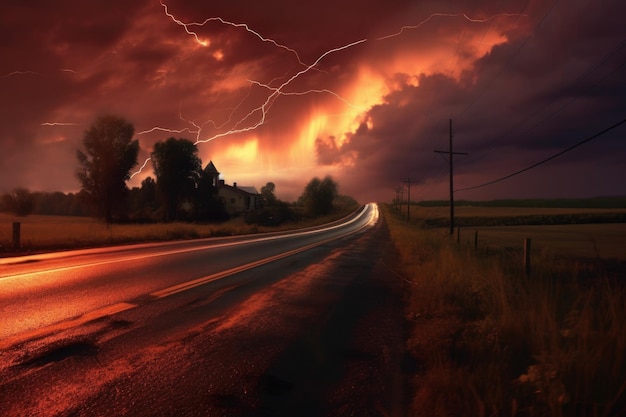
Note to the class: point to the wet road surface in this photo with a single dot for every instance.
(318, 333)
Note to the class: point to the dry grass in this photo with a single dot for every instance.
(494, 342)
(43, 233)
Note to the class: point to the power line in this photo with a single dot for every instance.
(451, 153)
(547, 159)
(538, 111)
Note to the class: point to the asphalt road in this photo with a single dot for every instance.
(308, 324)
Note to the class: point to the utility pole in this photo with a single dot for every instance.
(408, 182)
(451, 158)
(398, 200)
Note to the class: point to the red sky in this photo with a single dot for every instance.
(283, 91)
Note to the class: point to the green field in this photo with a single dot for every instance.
(584, 238)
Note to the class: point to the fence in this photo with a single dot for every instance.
(526, 253)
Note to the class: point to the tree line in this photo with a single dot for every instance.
(181, 191)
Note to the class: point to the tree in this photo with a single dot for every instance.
(110, 154)
(318, 196)
(177, 168)
(143, 202)
(267, 195)
(20, 202)
(272, 212)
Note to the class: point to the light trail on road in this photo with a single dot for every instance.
(41, 294)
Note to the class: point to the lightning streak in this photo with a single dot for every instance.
(225, 22)
(302, 93)
(434, 15)
(11, 74)
(59, 124)
(165, 129)
(263, 109)
(140, 169)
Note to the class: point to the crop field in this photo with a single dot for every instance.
(590, 241)
(592, 234)
(491, 340)
(471, 211)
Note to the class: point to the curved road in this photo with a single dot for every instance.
(203, 327)
(38, 291)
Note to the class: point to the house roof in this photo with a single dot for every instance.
(240, 189)
(249, 190)
(210, 168)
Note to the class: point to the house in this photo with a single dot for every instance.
(236, 199)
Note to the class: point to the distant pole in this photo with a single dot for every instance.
(451, 158)
(399, 195)
(527, 256)
(408, 182)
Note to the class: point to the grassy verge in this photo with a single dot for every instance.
(490, 341)
(49, 233)
(590, 241)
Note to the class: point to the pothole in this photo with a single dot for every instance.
(59, 353)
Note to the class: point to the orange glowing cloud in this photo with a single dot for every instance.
(387, 78)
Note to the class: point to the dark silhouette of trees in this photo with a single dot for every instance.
(272, 211)
(19, 201)
(208, 206)
(61, 204)
(177, 168)
(144, 201)
(318, 196)
(110, 154)
(267, 195)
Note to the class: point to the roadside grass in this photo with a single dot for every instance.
(590, 241)
(48, 233)
(490, 341)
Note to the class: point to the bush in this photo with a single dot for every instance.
(19, 202)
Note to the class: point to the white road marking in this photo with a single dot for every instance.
(123, 306)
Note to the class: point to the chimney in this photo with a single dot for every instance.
(234, 184)
(221, 182)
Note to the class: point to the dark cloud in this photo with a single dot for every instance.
(521, 81)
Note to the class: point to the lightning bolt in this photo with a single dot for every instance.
(434, 15)
(68, 70)
(140, 169)
(14, 73)
(225, 22)
(59, 124)
(258, 116)
(312, 91)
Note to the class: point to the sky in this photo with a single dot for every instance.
(364, 91)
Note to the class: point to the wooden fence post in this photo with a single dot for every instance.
(16, 236)
(527, 256)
